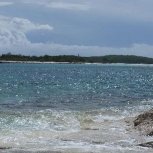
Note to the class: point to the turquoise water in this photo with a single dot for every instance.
(60, 105)
(76, 87)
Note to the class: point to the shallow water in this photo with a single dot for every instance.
(73, 108)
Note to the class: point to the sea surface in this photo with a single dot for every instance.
(73, 108)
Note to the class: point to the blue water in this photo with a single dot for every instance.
(75, 87)
(67, 98)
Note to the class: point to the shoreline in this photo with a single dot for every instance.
(33, 62)
(51, 62)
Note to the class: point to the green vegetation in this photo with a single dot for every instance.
(129, 59)
(77, 59)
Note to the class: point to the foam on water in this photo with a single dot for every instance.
(67, 131)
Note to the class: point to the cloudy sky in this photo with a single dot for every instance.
(85, 27)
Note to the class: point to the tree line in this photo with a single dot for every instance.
(78, 59)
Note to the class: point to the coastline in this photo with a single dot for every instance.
(33, 62)
(85, 63)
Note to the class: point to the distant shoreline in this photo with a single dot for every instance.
(71, 59)
(37, 62)
(33, 62)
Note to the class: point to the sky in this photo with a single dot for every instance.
(72, 27)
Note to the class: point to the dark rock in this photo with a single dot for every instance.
(145, 118)
(144, 123)
(150, 133)
(148, 144)
(4, 148)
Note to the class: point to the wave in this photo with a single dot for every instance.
(98, 130)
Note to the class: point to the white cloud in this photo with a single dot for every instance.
(25, 25)
(28, 48)
(13, 39)
(139, 10)
(13, 30)
(5, 3)
(68, 6)
(59, 49)
(62, 4)
(9, 38)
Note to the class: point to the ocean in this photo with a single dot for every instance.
(73, 108)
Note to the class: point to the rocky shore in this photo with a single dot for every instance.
(144, 123)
